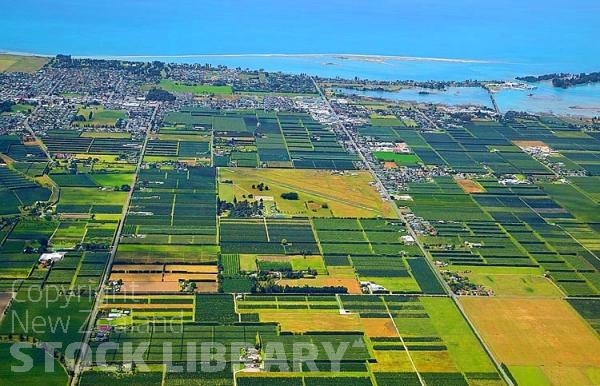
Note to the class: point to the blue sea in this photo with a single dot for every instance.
(404, 39)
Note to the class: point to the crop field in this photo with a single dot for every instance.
(36, 375)
(552, 339)
(93, 378)
(17, 190)
(145, 308)
(519, 224)
(158, 334)
(324, 258)
(289, 140)
(511, 281)
(164, 278)
(170, 232)
(273, 236)
(75, 142)
(429, 330)
(589, 309)
(515, 226)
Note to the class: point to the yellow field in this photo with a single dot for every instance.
(546, 334)
(433, 361)
(105, 134)
(146, 306)
(392, 361)
(348, 195)
(126, 268)
(515, 281)
(18, 63)
(191, 268)
(338, 276)
(296, 321)
(248, 263)
(379, 327)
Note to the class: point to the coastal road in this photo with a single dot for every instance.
(79, 362)
(428, 257)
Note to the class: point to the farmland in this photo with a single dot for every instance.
(17, 63)
(418, 242)
(336, 195)
(36, 375)
(556, 346)
(253, 138)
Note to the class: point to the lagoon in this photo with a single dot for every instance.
(456, 96)
(582, 100)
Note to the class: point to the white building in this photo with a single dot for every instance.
(51, 257)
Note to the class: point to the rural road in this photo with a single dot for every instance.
(94, 313)
(428, 256)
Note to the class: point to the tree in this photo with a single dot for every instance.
(160, 95)
(289, 196)
(90, 116)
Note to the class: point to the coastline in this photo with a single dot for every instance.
(342, 56)
(389, 68)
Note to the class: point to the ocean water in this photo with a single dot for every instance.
(405, 39)
(501, 37)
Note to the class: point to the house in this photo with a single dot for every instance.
(51, 258)
(407, 240)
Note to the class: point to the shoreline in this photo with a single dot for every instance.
(340, 56)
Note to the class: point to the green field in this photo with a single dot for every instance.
(196, 89)
(34, 376)
(16, 63)
(100, 117)
(262, 227)
(399, 159)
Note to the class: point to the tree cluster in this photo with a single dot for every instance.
(564, 80)
(240, 209)
(261, 187)
(278, 289)
(6, 106)
(160, 95)
(289, 196)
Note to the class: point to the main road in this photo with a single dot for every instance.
(386, 195)
(80, 360)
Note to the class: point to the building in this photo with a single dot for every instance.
(408, 240)
(51, 258)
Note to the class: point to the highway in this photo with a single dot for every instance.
(79, 362)
(412, 232)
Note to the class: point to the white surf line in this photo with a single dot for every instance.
(346, 56)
